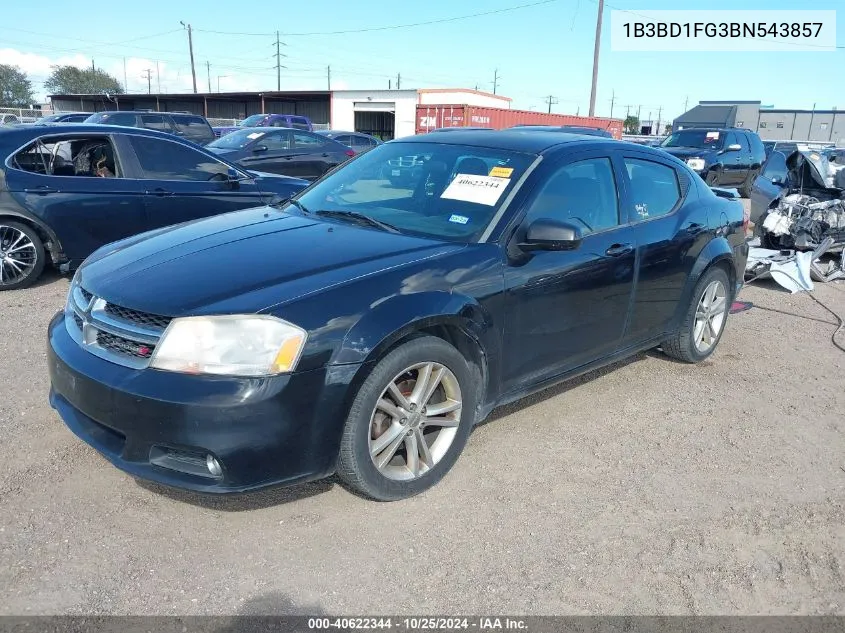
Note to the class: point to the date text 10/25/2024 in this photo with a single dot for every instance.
(418, 624)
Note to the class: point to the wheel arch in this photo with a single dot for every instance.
(458, 320)
(45, 233)
(717, 253)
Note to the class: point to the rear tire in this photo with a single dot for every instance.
(381, 455)
(710, 304)
(748, 184)
(22, 256)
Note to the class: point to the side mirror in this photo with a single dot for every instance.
(777, 180)
(733, 148)
(260, 148)
(545, 234)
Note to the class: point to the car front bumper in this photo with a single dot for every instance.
(162, 426)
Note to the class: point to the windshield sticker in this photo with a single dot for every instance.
(478, 189)
(711, 136)
(501, 172)
(255, 135)
(459, 219)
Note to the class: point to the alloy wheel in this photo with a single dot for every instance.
(710, 316)
(415, 421)
(18, 255)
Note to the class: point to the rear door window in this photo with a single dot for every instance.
(299, 123)
(70, 156)
(155, 122)
(307, 141)
(114, 118)
(654, 188)
(191, 124)
(276, 140)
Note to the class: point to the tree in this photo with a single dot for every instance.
(15, 87)
(668, 129)
(631, 124)
(72, 80)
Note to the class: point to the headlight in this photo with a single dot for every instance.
(237, 345)
(696, 164)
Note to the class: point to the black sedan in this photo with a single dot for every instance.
(68, 189)
(282, 151)
(364, 328)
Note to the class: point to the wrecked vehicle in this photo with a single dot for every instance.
(798, 210)
(798, 201)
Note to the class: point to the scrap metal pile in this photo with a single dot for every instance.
(803, 237)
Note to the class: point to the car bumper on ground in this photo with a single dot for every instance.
(167, 427)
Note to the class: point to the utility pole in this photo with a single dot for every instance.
(398, 81)
(147, 74)
(279, 62)
(390, 84)
(596, 48)
(659, 112)
(495, 80)
(686, 101)
(125, 81)
(612, 100)
(639, 120)
(93, 70)
(191, 50)
(158, 78)
(208, 72)
(578, 110)
(278, 65)
(812, 116)
(627, 111)
(329, 77)
(551, 100)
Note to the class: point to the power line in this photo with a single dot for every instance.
(395, 26)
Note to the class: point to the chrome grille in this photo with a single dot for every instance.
(121, 335)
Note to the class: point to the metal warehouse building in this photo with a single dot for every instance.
(383, 113)
(770, 123)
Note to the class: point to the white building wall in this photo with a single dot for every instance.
(463, 97)
(403, 103)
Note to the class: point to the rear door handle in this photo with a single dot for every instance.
(694, 228)
(158, 191)
(617, 250)
(41, 189)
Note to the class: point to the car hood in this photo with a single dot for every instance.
(686, 152)
(813, 169)
(243, 262)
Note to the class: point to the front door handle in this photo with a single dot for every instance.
(617, 250)
(41, 189)
(158, 191)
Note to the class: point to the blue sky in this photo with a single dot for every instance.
(538, 51)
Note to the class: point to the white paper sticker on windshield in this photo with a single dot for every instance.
(713, 135)
(255, 135)
(479, 189)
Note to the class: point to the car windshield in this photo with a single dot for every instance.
(238, 139)
(252, 121)
(702, 139)
(448, 192)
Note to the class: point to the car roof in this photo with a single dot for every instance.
(27, 131)
(513, 139)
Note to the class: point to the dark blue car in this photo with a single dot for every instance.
(68, 189)
(364, 328)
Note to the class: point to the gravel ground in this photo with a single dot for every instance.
(650, 487)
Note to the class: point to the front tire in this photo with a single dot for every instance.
(409, 422)
(704, 322)
(22, 256)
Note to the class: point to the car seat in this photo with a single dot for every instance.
(61, 167)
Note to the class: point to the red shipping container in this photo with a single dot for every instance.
(431, 117)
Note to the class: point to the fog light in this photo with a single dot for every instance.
(213, 465)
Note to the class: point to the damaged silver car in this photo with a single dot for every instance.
(799, 201)
(798, 210)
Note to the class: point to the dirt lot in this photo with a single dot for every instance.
(648, 487)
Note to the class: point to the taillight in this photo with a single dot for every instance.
(350, 152)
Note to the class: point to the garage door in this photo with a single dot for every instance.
(375, 106)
